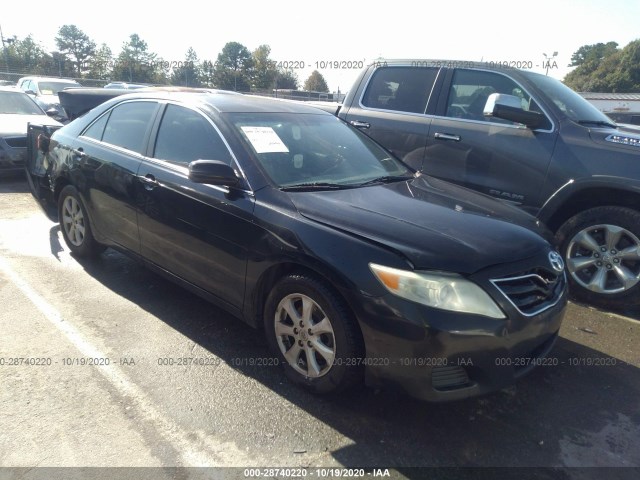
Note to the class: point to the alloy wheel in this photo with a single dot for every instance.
(305, 335)
(73, 221)
(604, 259)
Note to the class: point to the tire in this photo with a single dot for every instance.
(326, 355)
(601, 248)
(75, 225)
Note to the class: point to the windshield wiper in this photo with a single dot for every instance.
(599, 123)
(386, 179)
(314, 186)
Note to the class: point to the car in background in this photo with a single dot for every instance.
(526, 139)
(127, 86)
(356, 267)
(44, 91)
(17, 110)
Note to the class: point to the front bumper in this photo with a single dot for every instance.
(439, 355)
(13, 152)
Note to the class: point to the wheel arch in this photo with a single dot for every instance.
(277, 271)
(59, 184)
(574, 198)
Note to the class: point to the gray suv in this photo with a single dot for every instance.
(524, 138)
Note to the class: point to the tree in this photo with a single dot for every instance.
(30, 54)
(592, 53)
(287, 79)
(316, 83)
(100, 65)
(605, 68)
(57, 64)
(264, 69)
(207, 70)
(135, 63)
(187, 73)
(75, 44)
(232, 70)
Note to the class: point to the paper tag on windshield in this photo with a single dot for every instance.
(265, 140)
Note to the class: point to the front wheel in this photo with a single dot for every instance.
(314, 334)
(601, 247)
(75, 225)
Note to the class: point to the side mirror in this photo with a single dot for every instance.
(508, 107)
(30, 92)
(52, 112)
(212, 172)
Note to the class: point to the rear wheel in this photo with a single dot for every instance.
(601, 247)
(314, 334)
(75, 225)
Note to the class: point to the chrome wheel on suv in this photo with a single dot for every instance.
(604, 259)
(602, 252)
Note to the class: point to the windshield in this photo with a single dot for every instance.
(570, 102)
(18, 103)
(310, 149)
(52, 88)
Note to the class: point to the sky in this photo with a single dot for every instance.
(342, 30)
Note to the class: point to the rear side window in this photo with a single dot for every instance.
(127, 125)
(403, 89)
(185, 135)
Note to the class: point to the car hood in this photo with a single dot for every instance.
(17, 124)
(625, 138)
(435, 224)
(49, 99)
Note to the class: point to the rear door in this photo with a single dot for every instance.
(108, 154)
(497, 157)
(198, 232)
(392, 109)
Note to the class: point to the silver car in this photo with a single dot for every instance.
(44, 90)
(17, 110)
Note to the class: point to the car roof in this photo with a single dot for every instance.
(12, 89)
(226, 102)
(450, 63)
(50, 79)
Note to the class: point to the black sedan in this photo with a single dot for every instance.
(357, 267)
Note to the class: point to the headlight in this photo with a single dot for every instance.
(447, 291)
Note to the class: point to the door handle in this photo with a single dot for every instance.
(447, 136)
(149, 181)
(79, 152)
(360, 124)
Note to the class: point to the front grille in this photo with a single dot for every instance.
(16, 142)
(532, 292)
(449, 378)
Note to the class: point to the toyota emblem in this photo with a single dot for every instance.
(555, 259)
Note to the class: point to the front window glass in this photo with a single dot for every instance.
(470, 90)
(297, 149)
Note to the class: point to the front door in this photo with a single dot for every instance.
(491, 155)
